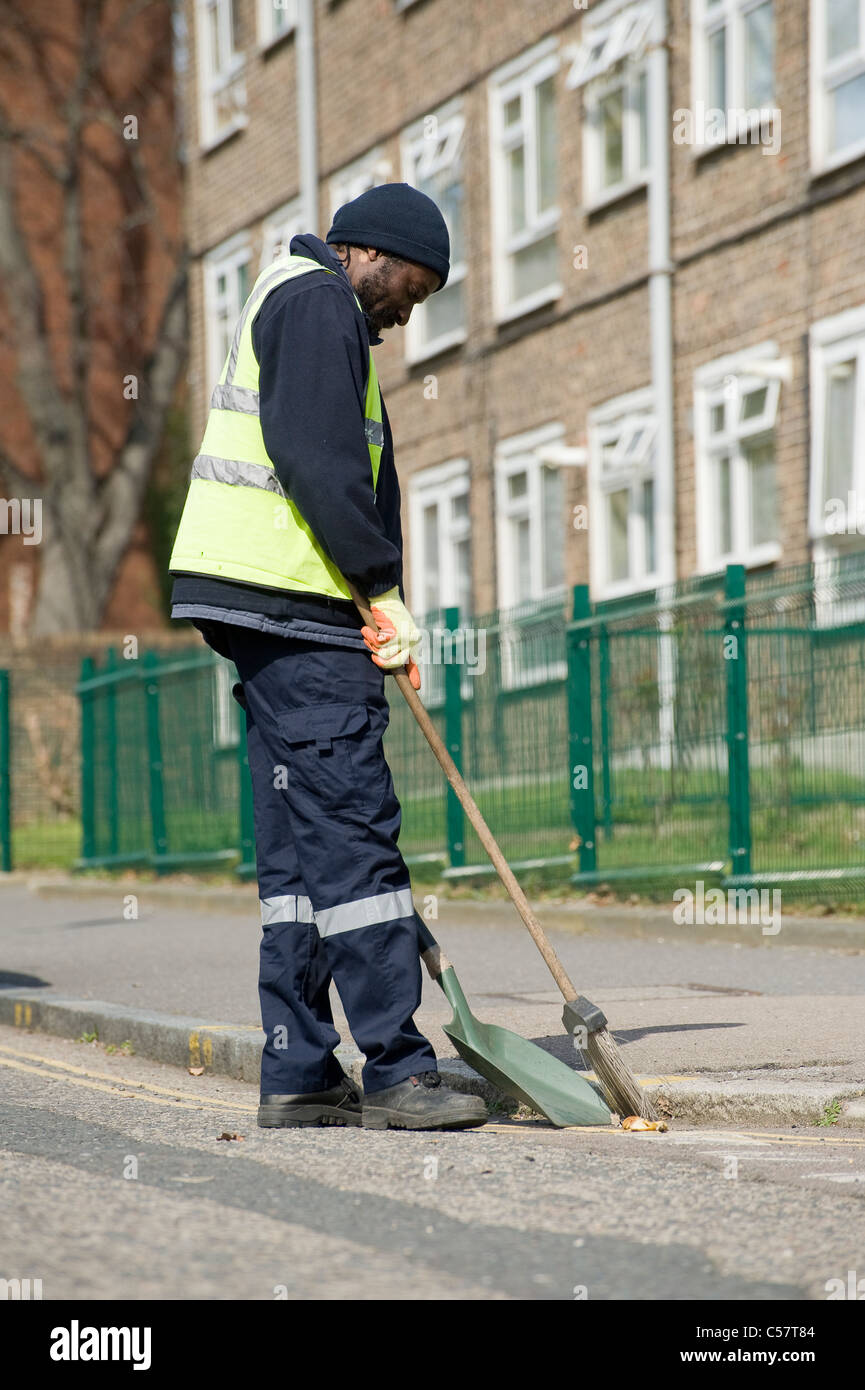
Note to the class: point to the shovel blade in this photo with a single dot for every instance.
(520, 1068)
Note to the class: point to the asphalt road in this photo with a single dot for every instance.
(115, 1184)
(678, 1002)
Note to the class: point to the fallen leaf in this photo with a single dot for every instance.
(225, 1135)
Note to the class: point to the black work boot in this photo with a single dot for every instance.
(341, 1105)
(422, 1102)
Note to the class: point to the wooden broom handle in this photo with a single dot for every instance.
(484, 834)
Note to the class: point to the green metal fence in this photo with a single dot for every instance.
(714, 728)
(165, 781)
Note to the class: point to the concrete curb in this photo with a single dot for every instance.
(235, 1051)
(577, 918)
(781, 1101)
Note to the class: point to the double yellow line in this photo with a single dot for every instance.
(121, 1087)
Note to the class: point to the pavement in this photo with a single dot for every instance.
(723, 1024)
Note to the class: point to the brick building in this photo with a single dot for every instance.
(649, 360)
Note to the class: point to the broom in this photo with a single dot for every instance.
(582, 1018)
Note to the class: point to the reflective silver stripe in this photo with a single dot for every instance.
(217, 470)
(241, 398)
(365, 912)
(374, 432)
(285, 908)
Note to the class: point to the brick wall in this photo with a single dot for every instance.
(760, 247)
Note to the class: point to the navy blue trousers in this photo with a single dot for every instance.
(335, 891)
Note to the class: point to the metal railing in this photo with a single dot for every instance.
(716, 727)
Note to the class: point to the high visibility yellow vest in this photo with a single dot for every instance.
(237, 522)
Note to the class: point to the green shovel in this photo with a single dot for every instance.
(518, 1067)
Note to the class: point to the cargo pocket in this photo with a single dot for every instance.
(334, 754)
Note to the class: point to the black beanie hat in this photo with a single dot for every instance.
(396, 217)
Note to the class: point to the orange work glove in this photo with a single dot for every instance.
(393, 645)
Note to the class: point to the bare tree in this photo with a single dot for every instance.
(94, 309)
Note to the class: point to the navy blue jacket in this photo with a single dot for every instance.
(312, 343)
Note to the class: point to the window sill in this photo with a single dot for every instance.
(761, 555)
(436, 347)
(217, 141)
(609, 592)
(270, 45)
(615, 195)
(837, 161)
(529, 304)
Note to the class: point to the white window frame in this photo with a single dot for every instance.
(368, 171)
(520, 77)
(519, 454)
(611, 54)
(440, 484)
(414, 146)
(268, 34)
(514, 455)
(732, 14)
(738, 371)
(822, 76)
(278, 229)
(832, 340)
(212, 82)
(226, 710)
(620, 417)
(224, 259)
(635, 174)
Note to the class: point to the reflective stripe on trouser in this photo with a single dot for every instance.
(326, 827)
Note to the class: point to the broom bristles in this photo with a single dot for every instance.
(622, 1090)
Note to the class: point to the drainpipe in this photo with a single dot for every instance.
(661, 333)
(306, 115)
(660, 292)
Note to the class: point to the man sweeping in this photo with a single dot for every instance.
(293, 493)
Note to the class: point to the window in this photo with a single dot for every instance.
(226, 710)
(530, 527)
(441, 559)
(222, 90)
(525, 214)
(367, 172)
(530, 508)
(735, 405)
(278, 230)
(608, 67)
(733, 65)
(432, 158)
(838, 435)
(275, 18)
(440, 538)
(622, 435)
(837, 81)
(226, 287)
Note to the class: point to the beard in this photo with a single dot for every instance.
(372, 291)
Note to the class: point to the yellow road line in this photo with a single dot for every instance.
(137, 1090)
(100, 1075)
(170, 1098)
